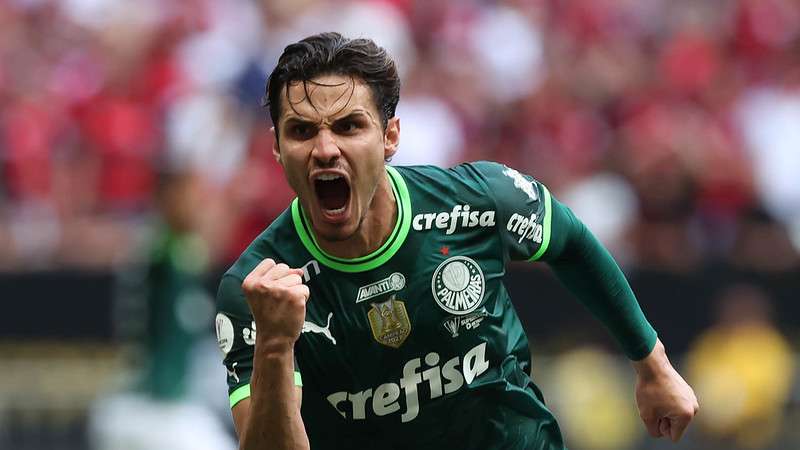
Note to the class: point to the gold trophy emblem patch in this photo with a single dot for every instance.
(389, 322)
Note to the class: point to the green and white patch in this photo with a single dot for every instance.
(458, 285)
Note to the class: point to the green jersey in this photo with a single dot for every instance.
(416, 345)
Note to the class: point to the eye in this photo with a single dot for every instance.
(302, 131)
(346, 126)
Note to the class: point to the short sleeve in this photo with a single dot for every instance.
(236, 336)
(525, 208)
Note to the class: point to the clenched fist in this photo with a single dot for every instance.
(277, 298)
(666, 402)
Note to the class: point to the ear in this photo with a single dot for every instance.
(276, 150)
(391, 138)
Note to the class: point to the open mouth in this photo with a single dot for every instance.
(333, 193)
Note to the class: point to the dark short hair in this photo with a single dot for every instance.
(332, 53)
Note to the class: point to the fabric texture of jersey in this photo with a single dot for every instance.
(416, 345)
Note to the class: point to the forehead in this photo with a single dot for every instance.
(326, 96)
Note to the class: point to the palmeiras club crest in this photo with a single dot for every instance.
(458, 285)
(389, 322)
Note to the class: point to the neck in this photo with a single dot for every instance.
(375, 228)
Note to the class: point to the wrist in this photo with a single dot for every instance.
(654, 364)
(274, 346)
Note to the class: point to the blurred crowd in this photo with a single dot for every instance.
(671, 127)
(132, 135)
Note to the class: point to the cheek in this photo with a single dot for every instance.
(294, 168)
(372, 169)
(371, 158)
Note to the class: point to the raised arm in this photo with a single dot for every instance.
(270, 419)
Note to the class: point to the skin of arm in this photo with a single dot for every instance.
(244, 410)
(270, 419)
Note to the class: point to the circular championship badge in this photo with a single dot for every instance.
(458, 285)
(224, 328)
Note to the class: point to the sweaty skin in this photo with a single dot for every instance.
(330, 126)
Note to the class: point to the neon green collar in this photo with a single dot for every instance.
(374, 259)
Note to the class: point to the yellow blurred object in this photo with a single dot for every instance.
(594, 401)
(742, 375)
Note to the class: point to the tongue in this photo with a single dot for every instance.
(332, 194)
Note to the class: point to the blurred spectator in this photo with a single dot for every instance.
(686, 106)
(742, 370)
(159, 412)
(762, 244)
(670, 127)
(592, 398)
(769, 116)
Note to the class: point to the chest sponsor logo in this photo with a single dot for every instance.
(460, 217)
(389, 322)
(224, 328)
(525, 228)
(521, 183)
(458, 285)
(454, 324)
(392, 283)
(441, 379)
(311, 327)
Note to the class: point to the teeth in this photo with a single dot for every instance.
(329, 177)
(336, 211)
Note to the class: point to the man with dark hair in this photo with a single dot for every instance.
(379, 290)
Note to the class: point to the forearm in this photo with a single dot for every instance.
(586, 268)
(274, 420)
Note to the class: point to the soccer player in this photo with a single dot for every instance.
(372, 312)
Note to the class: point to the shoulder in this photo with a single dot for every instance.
(475, 171)
(468, 181)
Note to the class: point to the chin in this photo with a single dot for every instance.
(335, 232)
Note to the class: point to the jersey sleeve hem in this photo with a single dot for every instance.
(547, 225)
(644, 349)
(243, 392)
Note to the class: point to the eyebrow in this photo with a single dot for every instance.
(298, 120)
(353, 115)
(302, 121)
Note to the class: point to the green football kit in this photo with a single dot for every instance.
(417, 345)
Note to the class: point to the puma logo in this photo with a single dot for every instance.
(325, 331)
(232, 372)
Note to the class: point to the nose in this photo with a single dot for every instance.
(326, 151)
